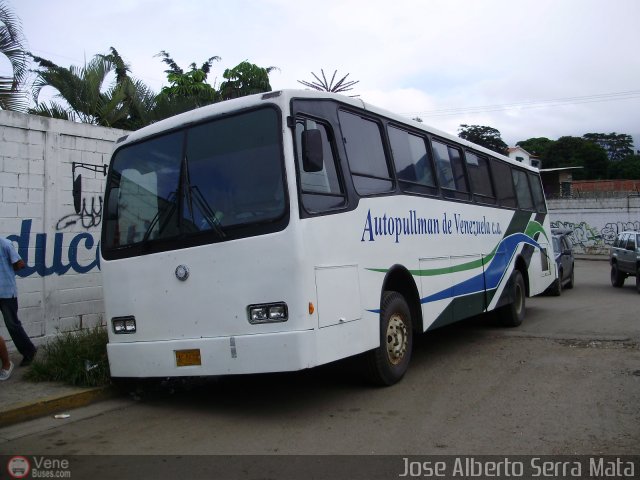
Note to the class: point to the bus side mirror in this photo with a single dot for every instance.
(112, 204)
(312, 151)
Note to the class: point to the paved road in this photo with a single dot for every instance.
(566, 382)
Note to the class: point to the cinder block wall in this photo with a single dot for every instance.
(57, 237)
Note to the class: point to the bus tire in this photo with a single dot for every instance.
(512, 315)
(617, 278)
(388, 363)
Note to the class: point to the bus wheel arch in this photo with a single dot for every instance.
(400, 320)
(512, 314)
(399, 279)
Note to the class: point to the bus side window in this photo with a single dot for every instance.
(413, 162)
(450, 170)
(365, 153)
(480, 178)
(523, 192)
(321, 190)
(504, 184)
(538, 193)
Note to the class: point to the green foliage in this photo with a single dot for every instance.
(189, 90)
(12, 47)
(85, 96)
(487, 137)
(245, 79)
(577, 152)
(76, 358)
(617, 146)
(536, 146)
(626, 169)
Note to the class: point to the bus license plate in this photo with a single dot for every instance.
(188, 358)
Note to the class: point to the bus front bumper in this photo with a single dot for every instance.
(261, 353)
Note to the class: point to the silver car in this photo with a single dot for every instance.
(624, 258)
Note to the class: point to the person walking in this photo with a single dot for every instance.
(7, 364)
(10, 262)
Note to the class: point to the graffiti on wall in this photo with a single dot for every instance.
(81, 245)
(87, 217)
(611, 230)
(587, 238)
(81, 254)
(582, 235)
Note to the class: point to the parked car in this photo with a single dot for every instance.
(563, 251)
(624, 258)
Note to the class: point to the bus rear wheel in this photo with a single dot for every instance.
(512, 315)
(388, 363)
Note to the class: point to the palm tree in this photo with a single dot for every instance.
(323, 85)
(12, 47)
(86, 97)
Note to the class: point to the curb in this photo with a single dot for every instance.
(46, 406)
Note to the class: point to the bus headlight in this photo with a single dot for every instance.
(268, 313)
(124, 324)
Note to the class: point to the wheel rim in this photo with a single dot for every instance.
(397, 339)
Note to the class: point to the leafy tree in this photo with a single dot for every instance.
(245, 79)
(617, 146)
(187, 90)
(12, 47)
(536, 146)
(578, 152)
(627, 168)
(488, 137)
(323, 85)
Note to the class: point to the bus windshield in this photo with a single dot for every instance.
(212, 181)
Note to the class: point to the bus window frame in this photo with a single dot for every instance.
(331, 140)
(425, 190)
(480, 197)
(378, 121)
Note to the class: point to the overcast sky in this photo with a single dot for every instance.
(542, 68)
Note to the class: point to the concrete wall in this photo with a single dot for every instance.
(61, 288)
(595, 221)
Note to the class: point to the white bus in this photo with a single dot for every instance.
(286, 230)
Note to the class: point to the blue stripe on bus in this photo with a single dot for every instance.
(490, 279)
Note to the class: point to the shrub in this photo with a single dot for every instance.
(76, 358)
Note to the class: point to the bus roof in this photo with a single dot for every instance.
(283, 97)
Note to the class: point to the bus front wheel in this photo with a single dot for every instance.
(388, 363)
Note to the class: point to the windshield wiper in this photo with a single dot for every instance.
(154, 221)
(207, 212)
